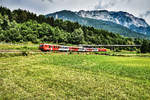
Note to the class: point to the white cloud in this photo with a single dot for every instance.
(48, 0)
(36, 6)
(135, 7)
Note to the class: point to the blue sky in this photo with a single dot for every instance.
(139, 8)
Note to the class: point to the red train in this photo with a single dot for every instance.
(48, 47)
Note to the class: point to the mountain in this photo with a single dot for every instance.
(96, 23)
(122, 18)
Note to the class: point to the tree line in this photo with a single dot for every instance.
(23, 26)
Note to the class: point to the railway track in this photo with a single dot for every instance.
(18, 51)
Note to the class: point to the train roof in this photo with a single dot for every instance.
(60, 45)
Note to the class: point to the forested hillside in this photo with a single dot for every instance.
(23, 26)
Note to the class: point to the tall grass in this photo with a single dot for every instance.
(64, 76)
(27, 46)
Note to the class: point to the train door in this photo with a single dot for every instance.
(50, 47)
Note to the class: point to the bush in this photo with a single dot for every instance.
(25, 53)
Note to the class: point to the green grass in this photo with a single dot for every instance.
(24, 46)
(63, 76)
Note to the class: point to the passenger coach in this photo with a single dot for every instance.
(49, 47)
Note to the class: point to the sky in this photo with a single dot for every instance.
(139, 8)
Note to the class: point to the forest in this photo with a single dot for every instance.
(20, 26)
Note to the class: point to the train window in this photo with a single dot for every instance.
(41, 45)
(64, 47)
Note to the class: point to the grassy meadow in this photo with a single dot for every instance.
(63, 76)
(23, 46)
